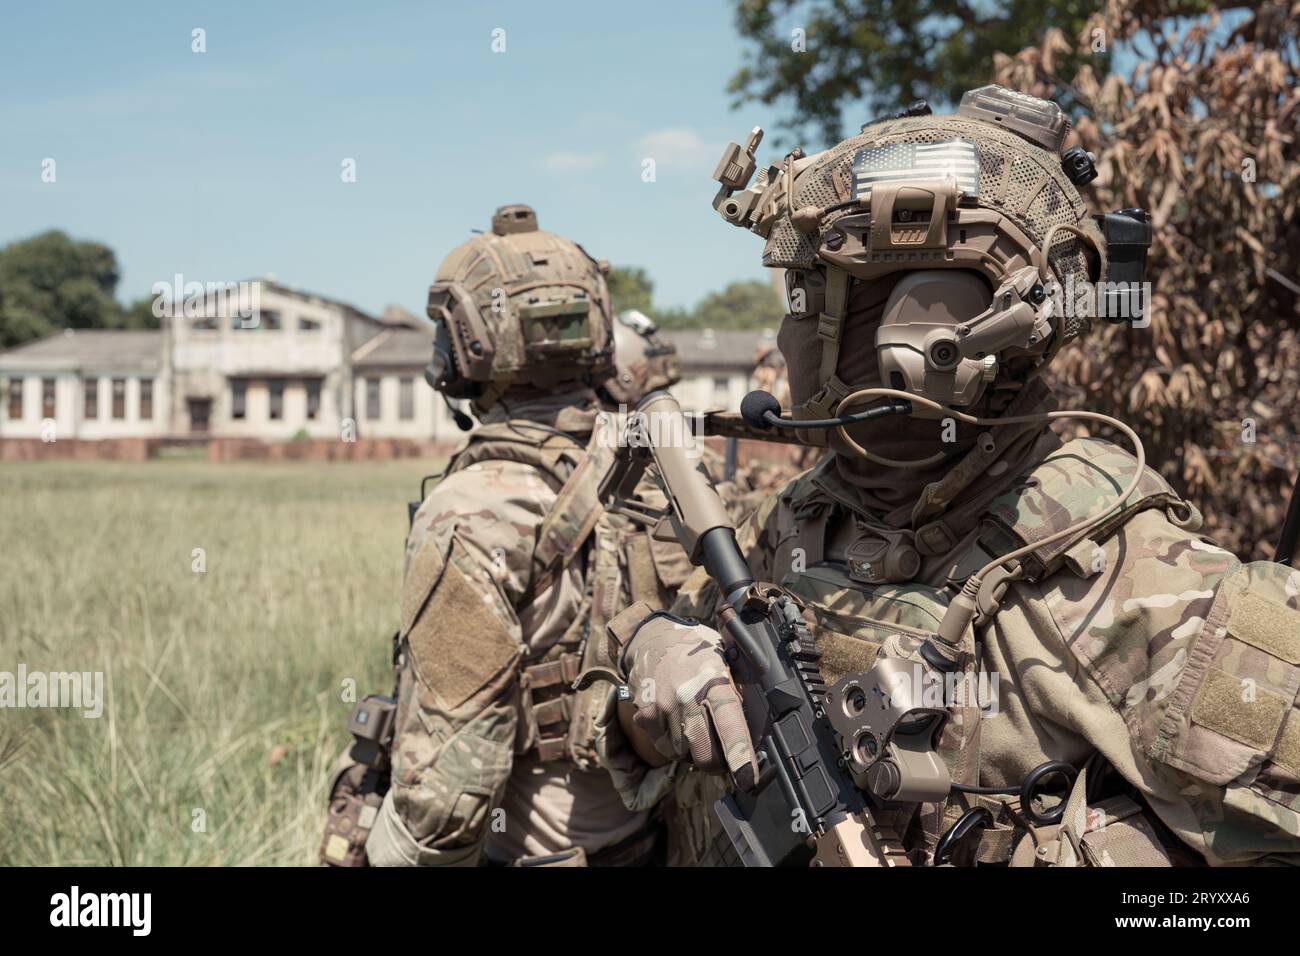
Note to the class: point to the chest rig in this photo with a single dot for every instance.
(864, 606)
(620, 563)
(876, 578)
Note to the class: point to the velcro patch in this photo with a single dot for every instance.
(623, 627)
(907, 162)
(1254, 722)
(336, 848)
(1268, 625)
(842, 654)
(422, 576)
(460, 640)
(1287, 755)
(1129, 842)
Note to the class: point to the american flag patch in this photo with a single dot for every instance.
(897, 162)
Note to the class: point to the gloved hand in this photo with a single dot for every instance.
(684, 698)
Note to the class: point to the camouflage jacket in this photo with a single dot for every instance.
(1145, 642)
(510, 565)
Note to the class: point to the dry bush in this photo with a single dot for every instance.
(1210, 96)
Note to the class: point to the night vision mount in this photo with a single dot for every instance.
(755, 207)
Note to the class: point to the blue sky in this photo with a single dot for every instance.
(226, 164)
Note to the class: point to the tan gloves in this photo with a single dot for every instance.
(684, 700)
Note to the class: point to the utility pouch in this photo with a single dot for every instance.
(371, 727)
(356, 793)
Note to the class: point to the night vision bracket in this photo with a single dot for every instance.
(755, 207)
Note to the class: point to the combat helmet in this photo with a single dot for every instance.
(643, 361)
(961, 236)
(519, 309)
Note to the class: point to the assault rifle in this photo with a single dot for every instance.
(827, 756)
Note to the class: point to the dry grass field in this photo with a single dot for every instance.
(224, 687)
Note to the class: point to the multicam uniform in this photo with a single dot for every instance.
(511, 565)
(1158, 665)
(1166, 654)
(508, 571)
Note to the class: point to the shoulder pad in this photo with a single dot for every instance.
(1078, 479)
(553, 453)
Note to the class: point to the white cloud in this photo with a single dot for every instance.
(680, 147)
(564, 162)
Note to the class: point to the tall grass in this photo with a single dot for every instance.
(224, 688)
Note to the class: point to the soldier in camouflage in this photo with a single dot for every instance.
(510, 566)
(925, 261)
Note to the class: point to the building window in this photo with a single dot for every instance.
(16, 399)
(313, 398)
(119, 398)
(47, 398)
(90, 400)
(721, 390)
(238, 396)
(372, 398)
(267, 319)
(406, 398)
(146, 399)
(308, 325)
(276, 389)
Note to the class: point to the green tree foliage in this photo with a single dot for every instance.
(750, 304)
(878, 56)
(631, 288)
(139, 314)
(51, 282)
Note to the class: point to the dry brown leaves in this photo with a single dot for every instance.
(1210, 102)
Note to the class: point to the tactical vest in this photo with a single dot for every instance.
(853, 618)
(622, 564)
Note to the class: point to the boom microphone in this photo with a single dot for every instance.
(757, 405)
(761, 410)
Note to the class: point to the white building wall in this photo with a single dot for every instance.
(705, 391)
(205, 361)
(202, 363)
(431, 420)
(31, 422)
(104, 425)
(257, 421)
(69, 420)
(288, 350)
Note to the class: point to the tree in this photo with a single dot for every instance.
(139, 315)
(630, 287)
(750, 304)
(878, 56)
(52, 282)
(1202, 130)
(1205, 133)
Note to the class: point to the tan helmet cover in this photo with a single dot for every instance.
(1016, 187)
(643, 361)
(521, 307)
(849, 231)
